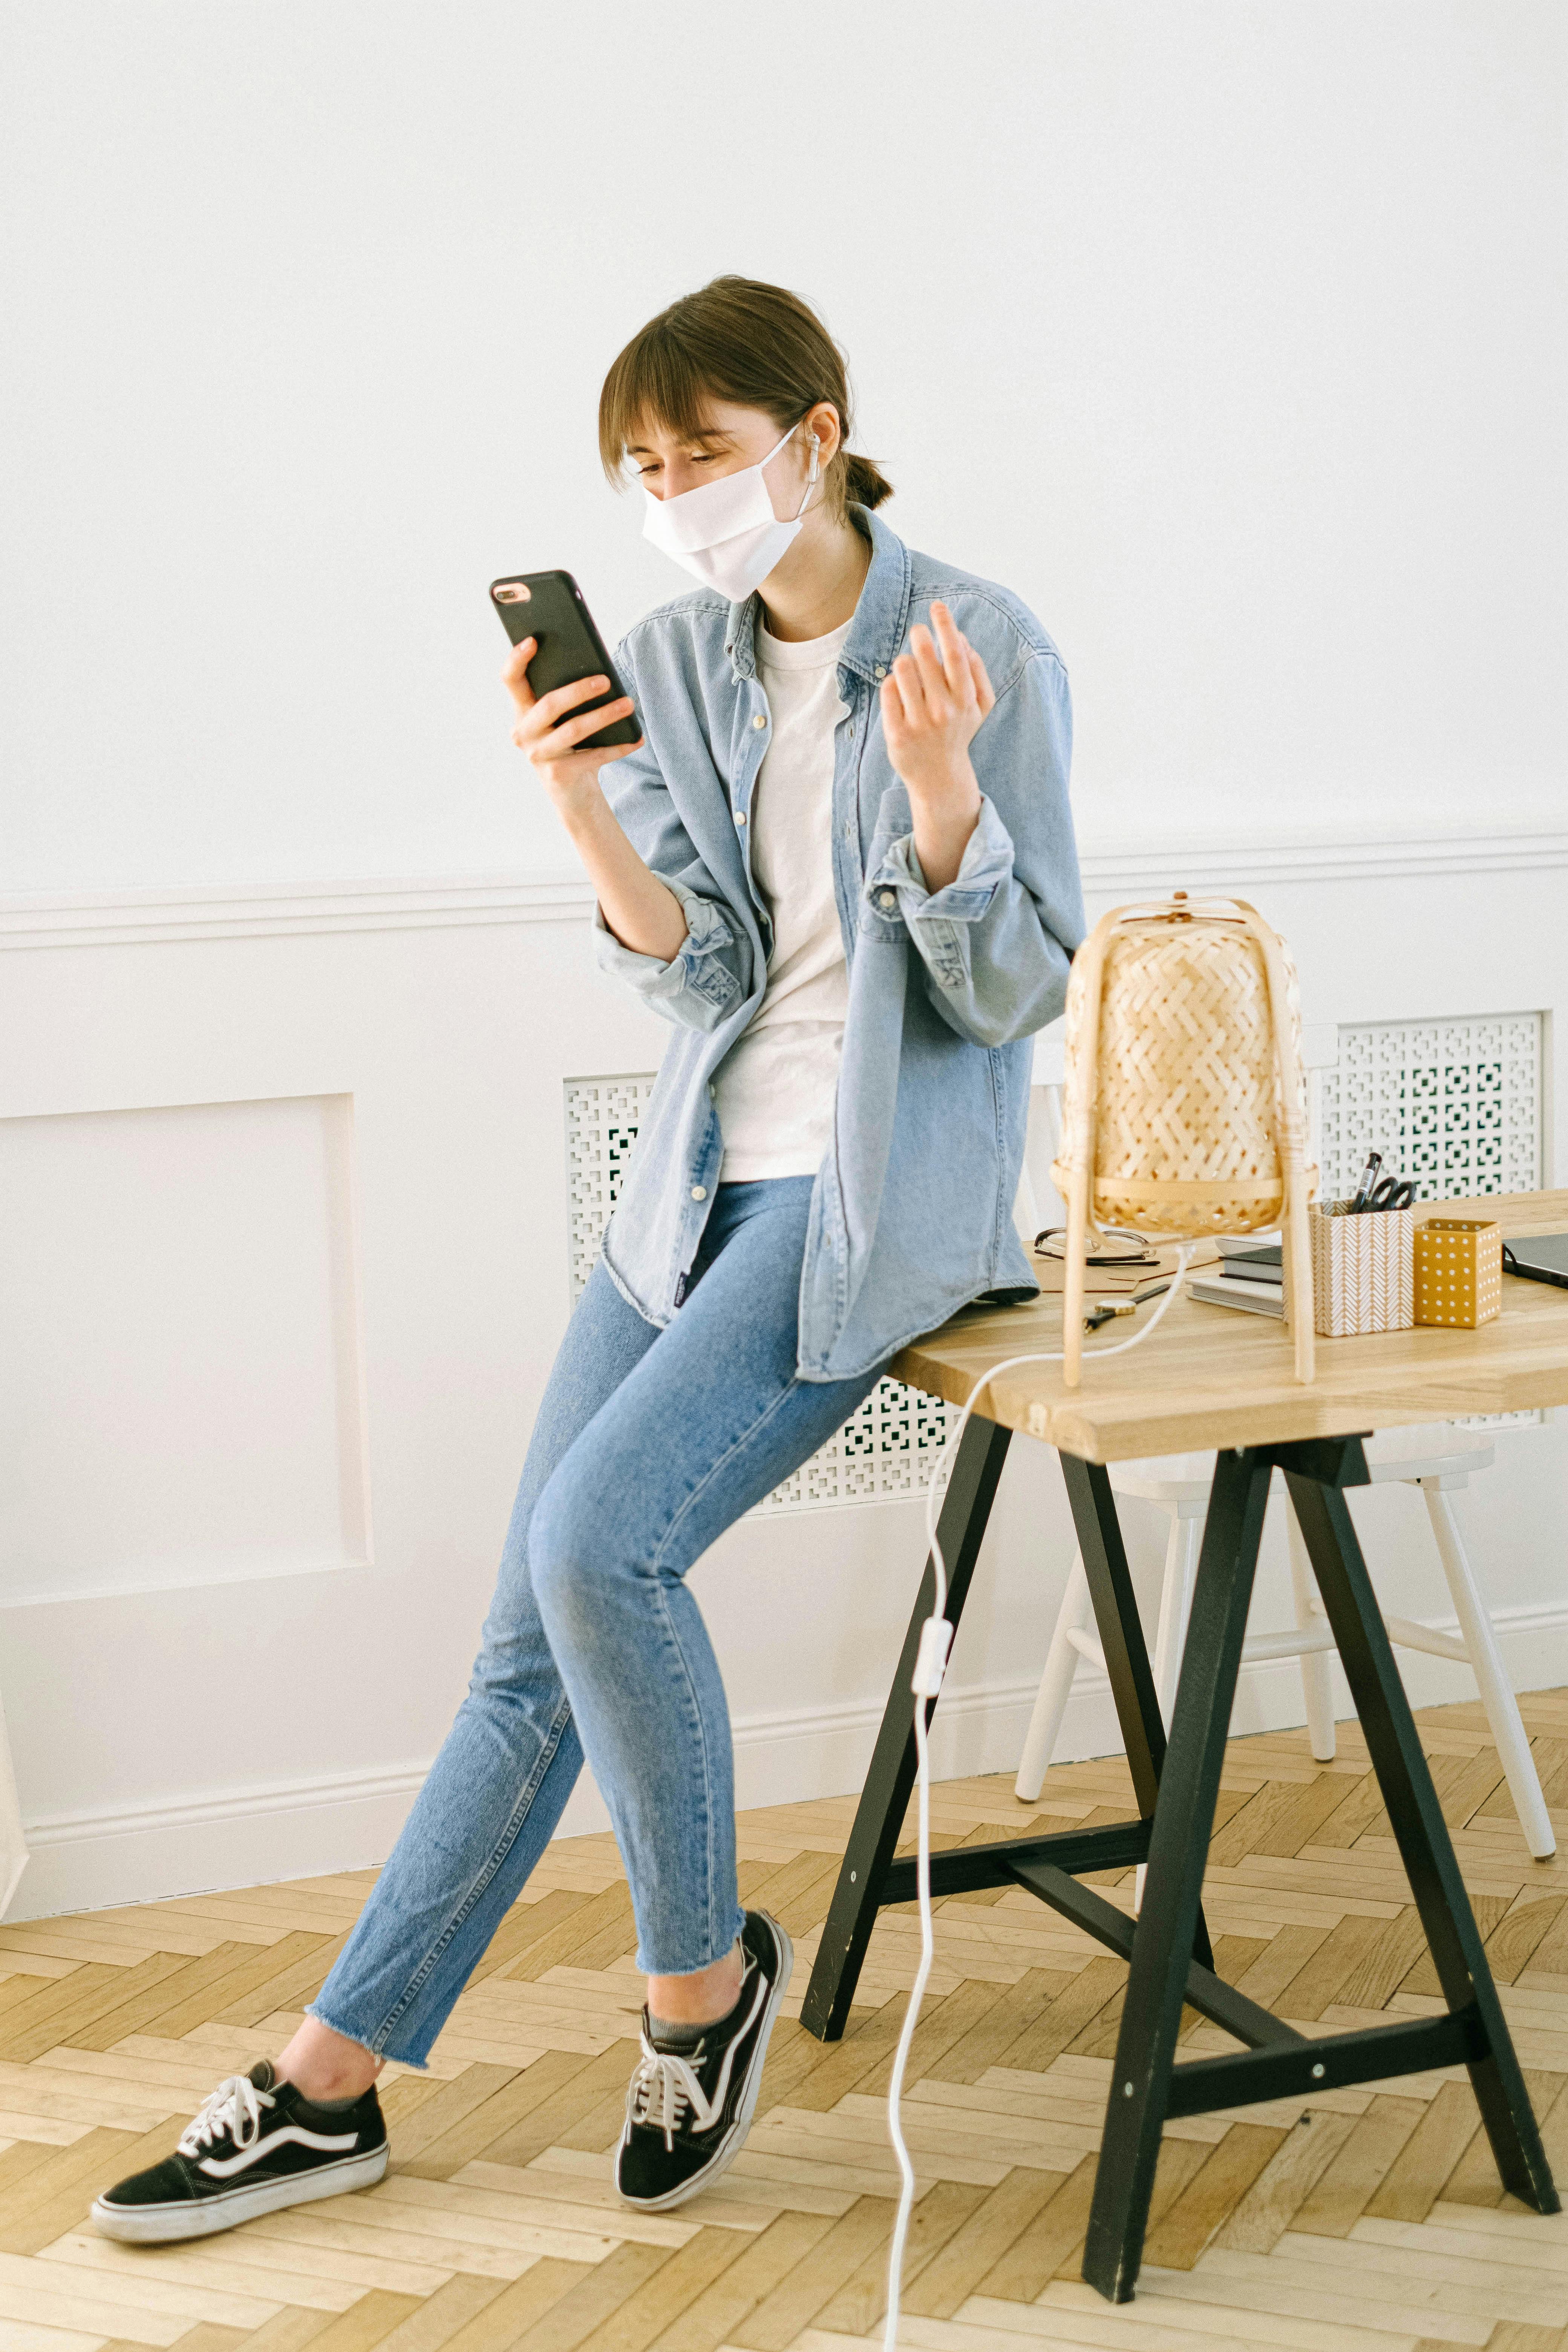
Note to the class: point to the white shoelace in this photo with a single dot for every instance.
(663, 2089)
(235, 2107)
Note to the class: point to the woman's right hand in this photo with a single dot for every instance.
(550, 734)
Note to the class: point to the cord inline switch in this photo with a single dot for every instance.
(931, 1664)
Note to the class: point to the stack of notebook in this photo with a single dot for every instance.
(1249, 1277)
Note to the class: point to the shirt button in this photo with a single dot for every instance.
(739, 816)
(760, 719)
(888, 900)
(882, 669)
(699, 1192)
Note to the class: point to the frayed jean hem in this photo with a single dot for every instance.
(371, 2049)
(649, 1966)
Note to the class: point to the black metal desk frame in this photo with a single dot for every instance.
(1175, 1788)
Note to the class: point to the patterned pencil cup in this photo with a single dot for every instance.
(1458, 1271)
(1185, 1112)
(1362, 1273)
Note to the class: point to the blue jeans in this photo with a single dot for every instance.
(647, 1446)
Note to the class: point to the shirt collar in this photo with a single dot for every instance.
(880, 616)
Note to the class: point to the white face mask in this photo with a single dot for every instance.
(726, 532)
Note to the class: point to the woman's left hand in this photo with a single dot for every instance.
(932, 705)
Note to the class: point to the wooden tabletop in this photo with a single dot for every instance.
(1217, 1376)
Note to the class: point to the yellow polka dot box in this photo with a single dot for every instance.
(1458, 1271)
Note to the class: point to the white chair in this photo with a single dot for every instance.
(1437, 1459)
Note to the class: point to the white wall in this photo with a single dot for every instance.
(1227, 335)
(1231, 336)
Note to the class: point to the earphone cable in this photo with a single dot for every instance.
(936, 1636)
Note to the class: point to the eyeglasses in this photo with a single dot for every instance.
(1116, 1246)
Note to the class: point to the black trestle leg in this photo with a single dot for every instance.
(1422, 1835)
(1122, 1639)
(1173, 1886)
(879, 1817)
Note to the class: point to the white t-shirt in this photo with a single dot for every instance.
(774, 1087)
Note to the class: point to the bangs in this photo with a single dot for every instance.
(656, 385)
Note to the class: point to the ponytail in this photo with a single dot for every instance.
(865, 484)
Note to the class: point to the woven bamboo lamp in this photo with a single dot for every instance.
(1184, 1111)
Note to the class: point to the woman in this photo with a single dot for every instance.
(839, 861)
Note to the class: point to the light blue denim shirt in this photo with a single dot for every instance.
(911, 1207)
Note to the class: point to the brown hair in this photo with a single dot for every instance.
(735, 338)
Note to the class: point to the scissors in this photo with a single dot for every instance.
(1390, 1194)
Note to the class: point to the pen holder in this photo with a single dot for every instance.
(1458, 1271)
(1362, 1272)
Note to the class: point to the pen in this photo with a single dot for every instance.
(1368, 1178)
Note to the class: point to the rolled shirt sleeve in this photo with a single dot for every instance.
(710, 971)
(699, 983)
(996, 941)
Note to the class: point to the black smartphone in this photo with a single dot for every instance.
(549, 606)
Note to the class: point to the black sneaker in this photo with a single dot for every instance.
(687, 2109)
(257, 2144)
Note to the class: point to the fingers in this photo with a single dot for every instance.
(940, 675)
(904, 678)
(983, 693)
(953, 646)
(554, 705)
(555, 743)
(549, 708)
(932, 676)
(893, 720)
(514, 674)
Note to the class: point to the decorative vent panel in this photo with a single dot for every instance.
(884, 1450)
(602, 1116)
(1454, 1106)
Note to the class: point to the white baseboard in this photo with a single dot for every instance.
(303, 1828)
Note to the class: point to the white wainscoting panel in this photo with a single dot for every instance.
(182, 1384)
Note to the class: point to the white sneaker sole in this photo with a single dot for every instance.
(728, 2147)
(162, 2224)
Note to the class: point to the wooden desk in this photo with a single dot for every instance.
(1212, 1377)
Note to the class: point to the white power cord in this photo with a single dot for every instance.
(936, 1638)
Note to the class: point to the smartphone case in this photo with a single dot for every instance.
(570, 647)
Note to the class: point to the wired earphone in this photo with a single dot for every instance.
(931, 1664)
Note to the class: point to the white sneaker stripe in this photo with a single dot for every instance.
(225, 2168)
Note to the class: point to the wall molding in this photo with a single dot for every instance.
(250, 1835)
(1222, 864)
(294, 909)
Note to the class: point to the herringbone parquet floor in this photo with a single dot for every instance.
(1368, 2221)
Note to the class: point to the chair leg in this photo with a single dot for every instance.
(1317, 1687)
(1492, 1676)
(1056, 1685)
(1175, 1601)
